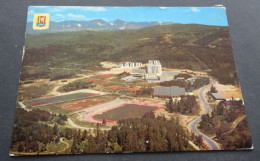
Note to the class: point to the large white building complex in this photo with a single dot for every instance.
(154, 67)
(152, 72)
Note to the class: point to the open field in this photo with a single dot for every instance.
(89, 113)
(229, 91)
(134, 89)
(108, 64)
(34, 90)
(106, 75)
(57, 99)
(115, 87)
(54, 108)
(184, 119)
(126, 111)
(70, 106)
(78, 105)
(112, 83)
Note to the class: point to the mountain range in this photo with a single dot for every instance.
(93, 25)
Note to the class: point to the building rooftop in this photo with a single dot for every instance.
(218, 96)
(140, 71)
(173, 91)
(154, 62)
(128, 78)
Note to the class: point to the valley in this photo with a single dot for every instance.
(132, 90)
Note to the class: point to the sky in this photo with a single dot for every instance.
(185, 15)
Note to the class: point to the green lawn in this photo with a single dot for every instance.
(125, 112)
(54, 108)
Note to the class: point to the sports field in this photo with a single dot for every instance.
(126, 111)
(78, 105)
(68, 107)
(58, 99)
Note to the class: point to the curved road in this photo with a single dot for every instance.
(193, 124)
(85, 128)
(67, 145)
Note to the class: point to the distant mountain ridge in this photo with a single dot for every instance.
(96, 24)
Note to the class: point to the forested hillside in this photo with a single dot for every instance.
(190, 46)
(35, 132)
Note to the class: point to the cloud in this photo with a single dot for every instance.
(31, 12)
(162, 8)
(56, 9)
(194, 9)
(60, 15)
(76, 17)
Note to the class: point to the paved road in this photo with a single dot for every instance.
(85, 128)
(193, 124)
(22, 105)
(65, 148)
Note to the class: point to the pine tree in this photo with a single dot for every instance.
(55, 129)
(104, 122)
(213, 89)
(20, 148)
(199, 140)
(84, 135)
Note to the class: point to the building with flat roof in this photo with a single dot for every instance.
(173, 91)
(139, 73)
(130, 64)
(218, 96)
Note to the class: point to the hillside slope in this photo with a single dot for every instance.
(95, 25)
(191, 46)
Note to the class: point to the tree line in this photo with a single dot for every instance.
(219, 121)
(76, 86)
(185, 105)
(31, 129)
(145, 91)
(146, 134)
(33, 132)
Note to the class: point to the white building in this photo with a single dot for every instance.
(154, 67)
(120, 65)
(130, 64)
